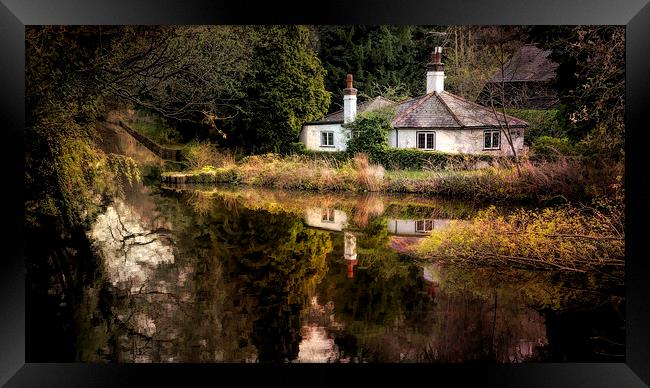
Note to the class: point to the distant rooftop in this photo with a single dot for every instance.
(530, 63)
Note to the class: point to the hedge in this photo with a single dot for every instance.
(407, 159)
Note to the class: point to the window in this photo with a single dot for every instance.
(327, 139)
(426, 140)
(491, 139)
(328, 215)
(423, 226)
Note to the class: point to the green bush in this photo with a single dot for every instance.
(541, 123)
(547, 147)
(369, 133)
(406, 158)
(412, 159)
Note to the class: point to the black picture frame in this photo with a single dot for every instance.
(634, 14)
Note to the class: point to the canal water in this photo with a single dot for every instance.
(222, 274)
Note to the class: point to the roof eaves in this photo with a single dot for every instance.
(323, 122)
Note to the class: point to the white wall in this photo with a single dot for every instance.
(407, 227)
(310, 137)
(454, 140)
(468, 141)
(314, 217)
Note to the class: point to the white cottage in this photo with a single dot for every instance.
(436, 121)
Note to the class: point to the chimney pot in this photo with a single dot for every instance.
(349, 81)
(436, 72)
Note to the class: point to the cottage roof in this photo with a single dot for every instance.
(366, 106)
(433, 110)
(446, 110)
(530, 63)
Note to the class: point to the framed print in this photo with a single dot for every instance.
(357, 192)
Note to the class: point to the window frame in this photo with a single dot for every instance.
(491, 132)
(327, 215)
(425, 133)
(424, 222)
(327, 133)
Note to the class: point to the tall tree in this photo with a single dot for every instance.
(381, 58)
(183, 73)
(286, 90)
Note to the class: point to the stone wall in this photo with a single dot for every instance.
(162, 152)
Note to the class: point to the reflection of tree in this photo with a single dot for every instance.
(235, 290)
(559, 297)
(386, 315)
(281, 260)
(239, 287)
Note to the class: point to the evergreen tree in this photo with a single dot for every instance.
(287, 90)
(381, 58)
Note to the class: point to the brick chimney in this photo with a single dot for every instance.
(349, 102)
(436, 72)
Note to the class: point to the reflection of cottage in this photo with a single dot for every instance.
(526, 80)
(326, 218)
(415, 227)
(437, 120)
(337, 221)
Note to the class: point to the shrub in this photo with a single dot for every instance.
(413, 159)
(369, 176)
(369, 133)
(546, 147)
(568, 238)
(541, 123)
(201, 154)
(408, 159)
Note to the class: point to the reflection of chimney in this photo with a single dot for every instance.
(433, 291)
(349, 246)
(436, 72)
(351, 264)
(349, 102)
(431, 275)
(350, 252)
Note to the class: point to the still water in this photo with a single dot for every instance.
(215, 274)
(187, 274)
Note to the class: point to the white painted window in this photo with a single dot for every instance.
(327, 215)
(492, 139)
(327, 139)
(426, 140)
(423, 226)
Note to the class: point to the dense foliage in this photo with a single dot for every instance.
(590, 82)
(287, 89)
(369, 133)
(541, 122)
(384, 60)
(74, 74)
(572, 239)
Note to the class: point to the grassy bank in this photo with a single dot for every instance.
(565, 179)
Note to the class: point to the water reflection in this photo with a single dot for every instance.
(223, 275)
